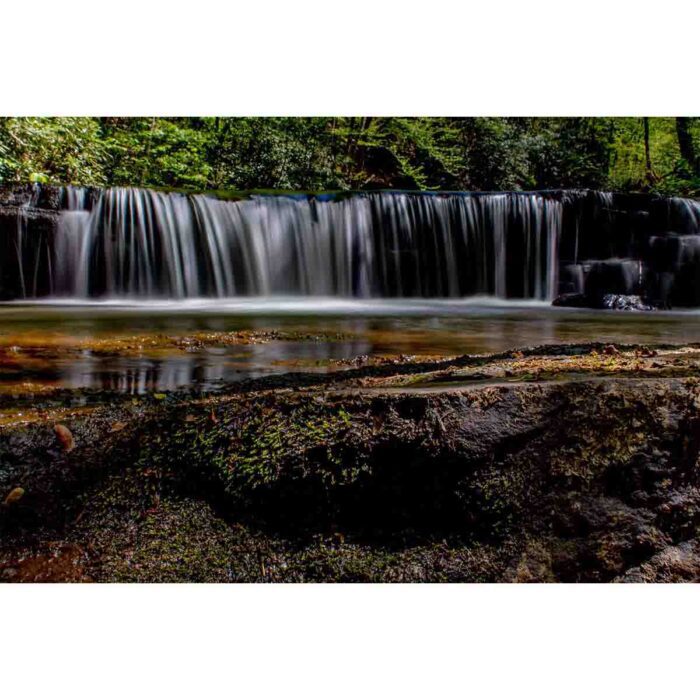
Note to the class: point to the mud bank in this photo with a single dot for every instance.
(566, 463)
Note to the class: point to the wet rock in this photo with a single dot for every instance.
(574, 300)
(617, 302)
(613, 276)
(44, 197)
(624, 302)
(676, 564)
(37, 226)
(673, 263)
(534, 565)
(572, 279)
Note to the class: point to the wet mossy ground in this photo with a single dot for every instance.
(551, 464)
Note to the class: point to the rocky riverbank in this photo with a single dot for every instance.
(567, 463)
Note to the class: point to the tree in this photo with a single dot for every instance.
(650, 177)
(685, 143)
(345, 153)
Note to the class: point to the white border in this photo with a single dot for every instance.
(175, 57)
(374, 57)
(352, 641)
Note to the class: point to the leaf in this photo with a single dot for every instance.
(14, 496)
(64, 436)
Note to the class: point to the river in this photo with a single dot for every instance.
(132, 347)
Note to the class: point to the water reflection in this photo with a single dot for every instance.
(43, 344)
(207, 369)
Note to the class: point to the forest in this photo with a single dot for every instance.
(637, 154)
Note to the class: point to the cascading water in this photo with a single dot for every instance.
(27, 265)
(126, 242)
(139, 244)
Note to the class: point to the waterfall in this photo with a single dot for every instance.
(129, 242)
(686, 211)
(140, 244)
(28, 253)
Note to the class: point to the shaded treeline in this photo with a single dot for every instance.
(318, 153)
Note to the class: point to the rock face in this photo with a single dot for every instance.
(28, 220)
(568, 464)
(630, 245)
(44, 197)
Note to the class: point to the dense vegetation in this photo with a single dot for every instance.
(630, 153)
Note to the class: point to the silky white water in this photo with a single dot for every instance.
(141, 243)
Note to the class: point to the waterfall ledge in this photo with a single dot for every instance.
(129, 243)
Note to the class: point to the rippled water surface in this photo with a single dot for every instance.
(142, 347)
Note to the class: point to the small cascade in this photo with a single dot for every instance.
(28, 253)
(129, 242)
(616, 244)
(671, 258)
(684, 215)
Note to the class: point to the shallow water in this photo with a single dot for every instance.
(60, 344)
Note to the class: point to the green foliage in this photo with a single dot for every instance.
(65, 149)
(344, 153)
(155, 152)
(495, 154)
(571, 152)
(270, 153)
(400, 152)
(670, 173)
(267, 442)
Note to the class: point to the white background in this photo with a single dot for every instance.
(377, 57)
(356, 57)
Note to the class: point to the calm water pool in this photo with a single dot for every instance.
(70, 345)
